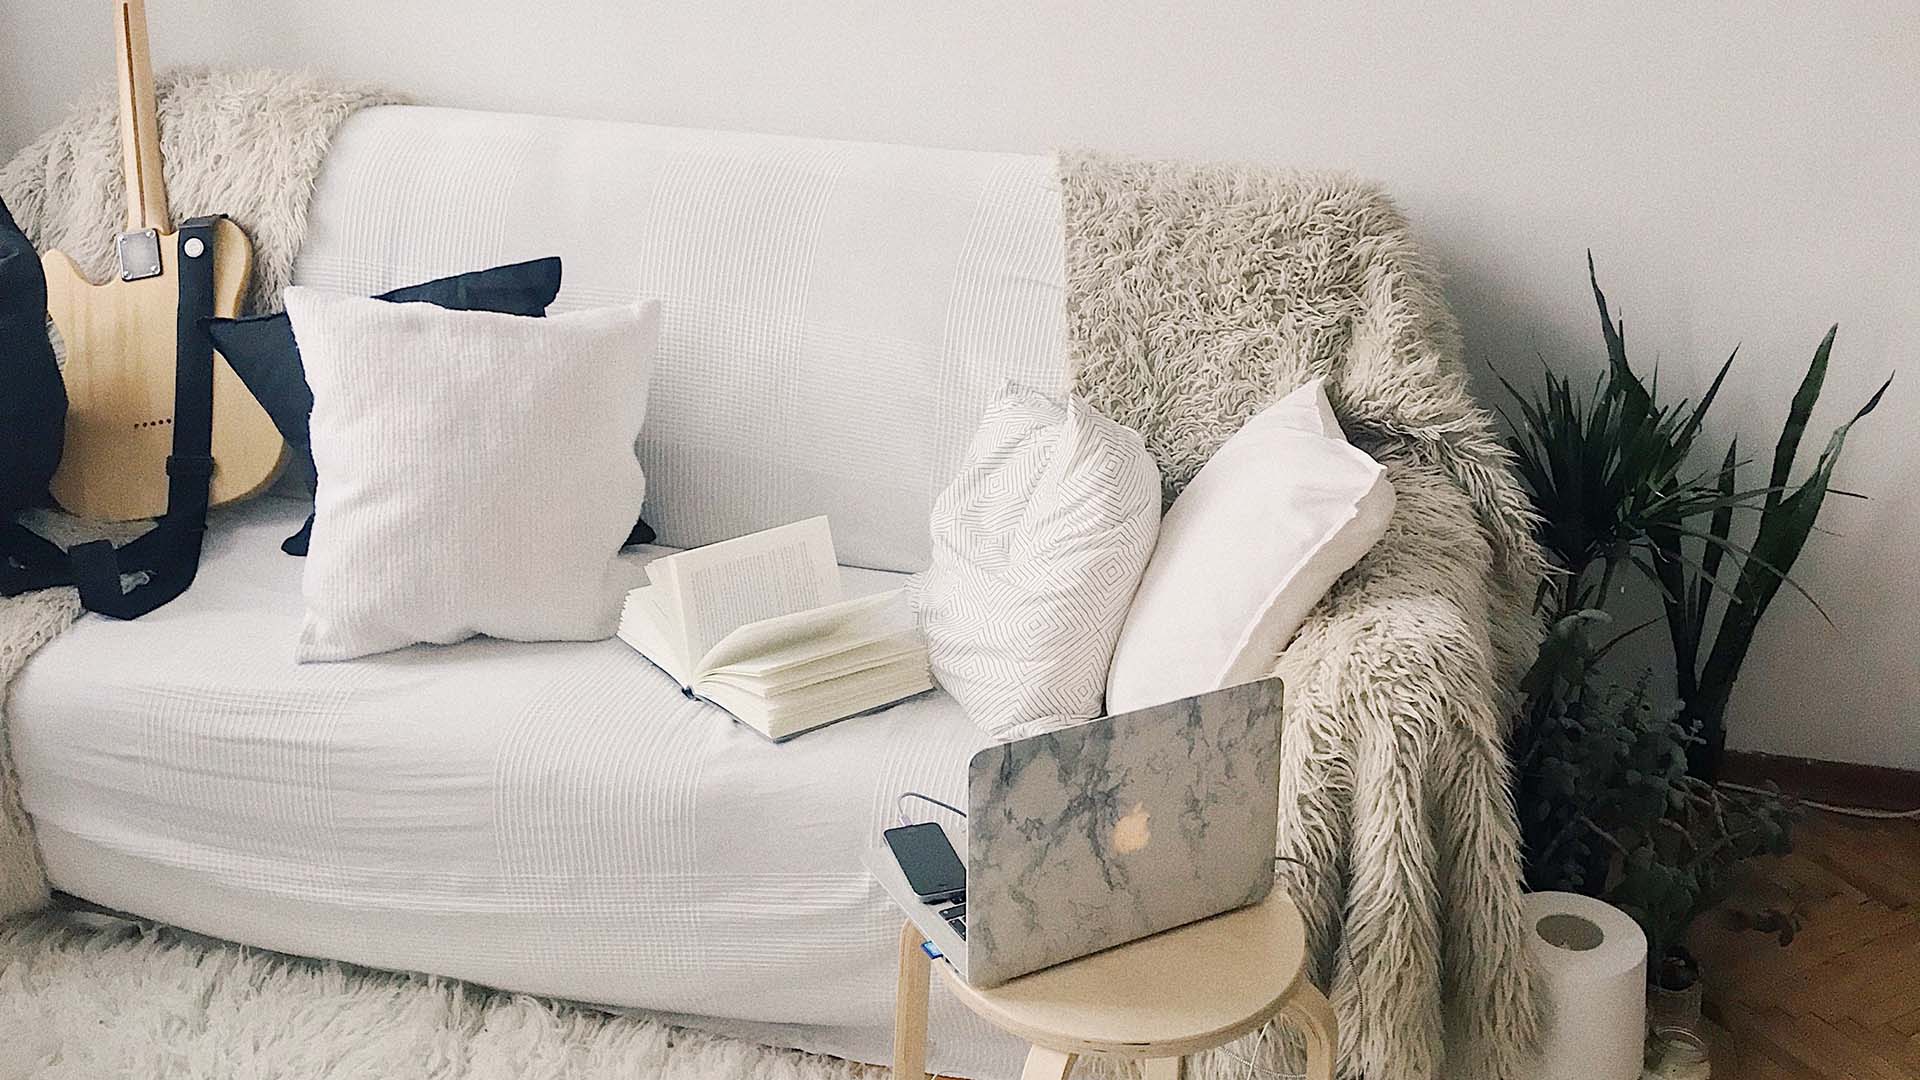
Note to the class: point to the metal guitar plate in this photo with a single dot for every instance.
(139, 254)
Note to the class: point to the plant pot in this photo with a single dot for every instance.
(1674, 1008)
(1673, 1054)
(1674, 995)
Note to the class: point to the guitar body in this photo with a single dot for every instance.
(121, 338)
(119, 373)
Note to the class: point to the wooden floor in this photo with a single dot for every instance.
(1843, 1001)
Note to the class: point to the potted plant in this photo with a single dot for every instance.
(1609, 809)
(1616, 792)
(1614, 479)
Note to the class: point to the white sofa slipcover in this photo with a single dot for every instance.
(834, 315)
(556, 818)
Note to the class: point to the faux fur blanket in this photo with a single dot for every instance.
(248, 144)
(1197, 295)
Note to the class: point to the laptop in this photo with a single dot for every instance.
(1090, 837)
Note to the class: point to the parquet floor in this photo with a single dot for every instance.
(1843, 1001)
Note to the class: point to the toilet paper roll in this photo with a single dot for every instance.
(1593, 962)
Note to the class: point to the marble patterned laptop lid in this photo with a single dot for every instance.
(1092, 836)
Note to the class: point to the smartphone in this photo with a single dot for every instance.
(926, 856)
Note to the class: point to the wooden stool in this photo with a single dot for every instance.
(1160, 998)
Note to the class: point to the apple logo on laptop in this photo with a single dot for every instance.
(1131, 834)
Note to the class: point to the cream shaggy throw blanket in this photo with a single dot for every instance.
(26, 623)
(83, 998)
(248, 144)
(245, 143)
(1195, 296)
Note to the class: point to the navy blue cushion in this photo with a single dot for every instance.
(263, 352)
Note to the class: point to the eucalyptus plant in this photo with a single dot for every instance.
(1613, 477)
(1608, 807)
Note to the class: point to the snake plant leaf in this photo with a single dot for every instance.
(1752, 562)
(1701, 580)
(1720, 525)
(1783, 532)
(1802, 409)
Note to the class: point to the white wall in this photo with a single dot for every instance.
(1742, 177)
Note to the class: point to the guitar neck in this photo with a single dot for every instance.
(139, 123)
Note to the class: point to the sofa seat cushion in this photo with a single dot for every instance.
(553, 818)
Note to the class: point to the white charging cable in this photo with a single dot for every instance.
(901, 804)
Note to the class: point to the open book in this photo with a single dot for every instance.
(757, 626)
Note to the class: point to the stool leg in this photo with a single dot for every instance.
(1172, 1068)
(1045, 1064)
(1309, 1009)
(910, 1008)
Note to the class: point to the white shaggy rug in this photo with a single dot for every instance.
(86, 997)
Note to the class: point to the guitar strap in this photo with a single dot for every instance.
(169, 553)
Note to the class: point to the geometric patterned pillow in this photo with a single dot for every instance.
(1038, 545)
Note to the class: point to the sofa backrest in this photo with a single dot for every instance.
(835, 315)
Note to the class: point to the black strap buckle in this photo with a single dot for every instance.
(196, 468)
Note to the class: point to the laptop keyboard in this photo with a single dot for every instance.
(956, 917)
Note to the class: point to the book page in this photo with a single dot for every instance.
(721, 587)
(783, 673)
(764, 647)
(787, 715)
(646, 625)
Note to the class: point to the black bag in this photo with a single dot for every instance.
(169, 554)
(33, 409)
(33, 400)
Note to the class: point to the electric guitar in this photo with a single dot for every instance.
(120, 337)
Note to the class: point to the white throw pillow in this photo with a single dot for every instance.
(1279, 512)
(1037, 546)
(481, 472)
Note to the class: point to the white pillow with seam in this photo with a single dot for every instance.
(481, 471)
(1037, 546)
(1276, 515)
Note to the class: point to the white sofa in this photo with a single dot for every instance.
(557, 818)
